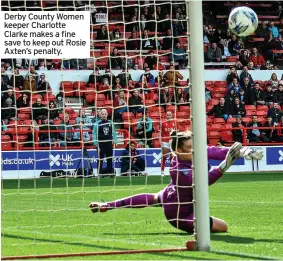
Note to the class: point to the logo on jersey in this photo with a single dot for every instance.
(105, 130)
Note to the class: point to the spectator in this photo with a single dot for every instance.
(135, 103)
(232, 74)
(256, 96)
(262, 32)
(257, 58)
(238, 134)
(115, 61)
(230, 97)
(4, 76)
(208, 95)
(178, 97)
(17, 80)
(274, 81)
(132, 162)
(32, 73)
(125, 77)
(147, 43)
(8, 111)
(65, 137)
(280, 131)
(43, 85)
(234, 85)
(245, 74)
(102, 34)
(149, 77)
(279, 94)
(60, 102)
(23, 101)
(238, 47)
(47, 137)
(172, 77)
(31, 140)
(244, 58)
(151, 60)
(94, 77)
(255, 135)
(145, 130)
(116, 36)
(231, 43)
(53, 112)
(164, 97)
(238, 109)
(273, 29)
(117, 85)
(120, 105)
(221, 110)
(81, 131)
(9, 94)
(133, 26)
(84, 118)
(159, 79)
(38, 110)
(168, 41)
(178, 55)
(97, 115)
(133, 43)
(269, 95)
(251, 66)
(30, 84)
(104, 134)
(242, 96)
(109, 76)
(275, 113)
(270, 134)
(214, 53)
(246, 85)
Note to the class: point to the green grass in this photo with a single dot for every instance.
(51, 216)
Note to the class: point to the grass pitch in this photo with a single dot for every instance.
(47, 216)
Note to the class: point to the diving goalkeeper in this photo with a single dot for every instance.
(176, 199)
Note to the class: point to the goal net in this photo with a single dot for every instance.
(76, 131)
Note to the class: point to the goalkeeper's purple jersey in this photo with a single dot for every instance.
(180, 189)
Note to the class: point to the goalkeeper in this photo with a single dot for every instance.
(176, 199)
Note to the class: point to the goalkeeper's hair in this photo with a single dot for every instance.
(178, 139)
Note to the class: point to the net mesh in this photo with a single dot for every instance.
(51, 168)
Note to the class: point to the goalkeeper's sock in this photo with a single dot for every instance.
(163, 163)
(136, 201)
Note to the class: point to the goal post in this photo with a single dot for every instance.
(198, 120)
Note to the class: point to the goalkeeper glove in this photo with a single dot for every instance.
(232, 155)
(249, 154)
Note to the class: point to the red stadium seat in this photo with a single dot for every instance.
(261, 113)
(262, 108)
(128, 115)
(231, 120)
(182, 115)
(219, 120)
(226, 136)
(250, 107)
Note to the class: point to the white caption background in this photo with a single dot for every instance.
(54, 34)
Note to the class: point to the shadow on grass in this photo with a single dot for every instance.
(52, 241)
(242, 240)
(126, 181)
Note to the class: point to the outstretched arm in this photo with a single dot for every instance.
(216, 153)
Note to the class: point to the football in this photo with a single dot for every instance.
(243, 21)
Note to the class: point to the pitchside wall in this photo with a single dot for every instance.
(29, 164)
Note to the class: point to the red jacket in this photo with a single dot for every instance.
(257, 60)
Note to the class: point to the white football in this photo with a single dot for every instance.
(243, 21)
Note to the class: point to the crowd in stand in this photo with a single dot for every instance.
(32, 93)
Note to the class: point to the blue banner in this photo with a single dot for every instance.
(70, 159)
(274, 156)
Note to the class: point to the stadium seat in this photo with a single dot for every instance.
(219, 120)
(79, 85)
(231, 120)
(217, 127)
(127, 116)
(220, 84)
(247, 120)
(250, 107)
(261, 113)
(24, 116)
(185, 109)
(262, 108)
(25, 110)
(226, 136)
(182, 115)
(6, 143)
